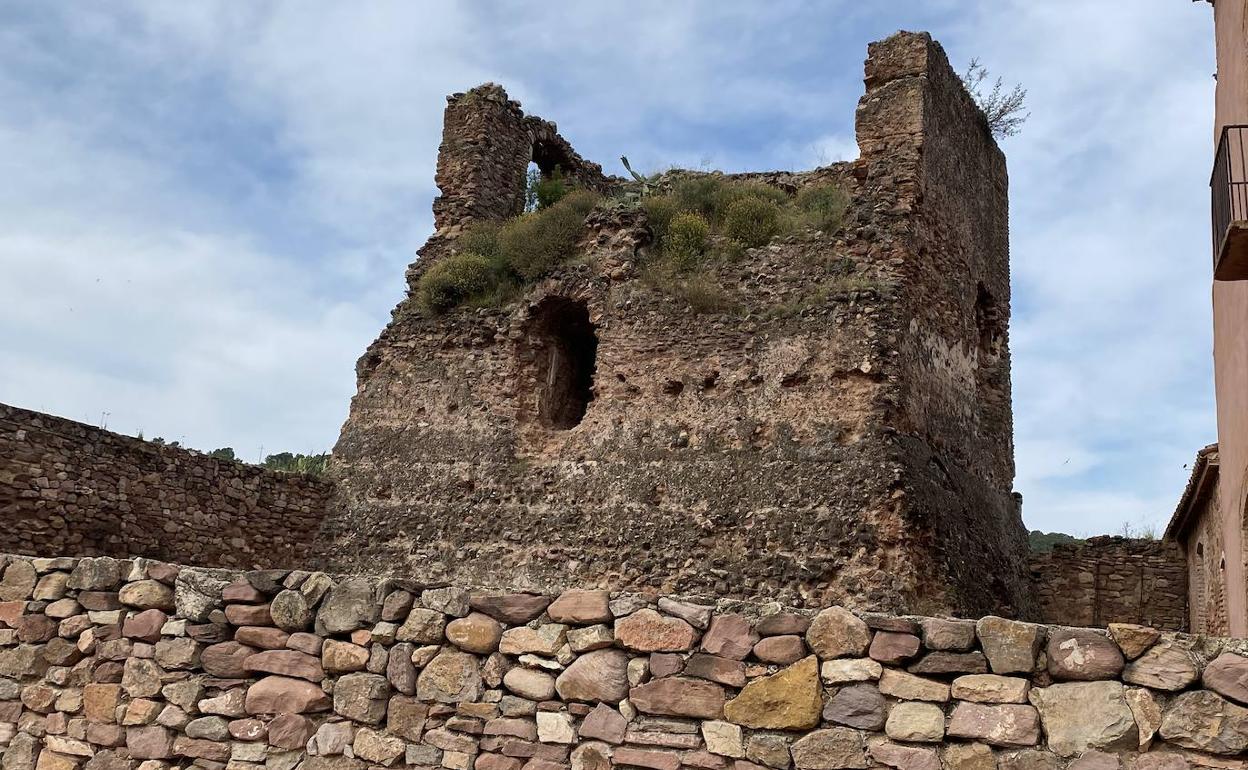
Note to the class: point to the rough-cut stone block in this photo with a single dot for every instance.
(859, 705)
(790, 699)
(1165, 666)
(1078, 716)
(1010, 646)
(283, 695)
(1076, 654)
(648, 631)
(991, 688)
(916, 722)
(680, 697)
(838, 633)
(836, 748)
(1204, 721)
(997, 725)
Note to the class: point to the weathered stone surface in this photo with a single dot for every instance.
(512, 609)
(782, 650)
(723, 738)
(1147, 712)
(1078, 716)
(991, 688)
(580, 607)
(712, 667)
(859, 705)
(696, 615)
(286, 663)
(730, 636)
(361, 697)
(916, 722)
(970, 756)
(1009, 645)
(940, 663)
(92, 574)
(1083, 655)
(290, 611)
(769, 749)
(782, 624)
(375, 746)
(1204, 721)
(838, 633)
(590, 638)
(283, 695)
(290, 731)
(595, 676)
(790, 699)
(151, 742)
(679, 697)
(1133, 639)
(848, 670)
(604, 724)
(18, 582)
(645, 758)
(147, 595)
(997, 725)
(1165, 666)
(477, 632)
(450, 677)
(338, 656)
(422, 626)
(226, 660)
(556, 727)
(351, 604)
(836, 748)
(905, 686)
(892, 648)
(648, 631)
(904, 757)
(530, 683)
(1227, 675)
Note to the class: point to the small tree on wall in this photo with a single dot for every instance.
(1004, 110)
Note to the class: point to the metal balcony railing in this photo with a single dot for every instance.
(1228, 187)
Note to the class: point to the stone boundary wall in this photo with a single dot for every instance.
(142, 665)
(1112, 580)
(70, 487)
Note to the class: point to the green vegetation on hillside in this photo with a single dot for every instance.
(1043, 542)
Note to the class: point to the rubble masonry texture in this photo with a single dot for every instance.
(857, 450)
(141, 665)
(66, 487)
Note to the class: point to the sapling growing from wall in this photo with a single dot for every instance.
(1004, 110)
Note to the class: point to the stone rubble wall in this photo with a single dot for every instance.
(67, 487)
(1112, 580)
(143, 665)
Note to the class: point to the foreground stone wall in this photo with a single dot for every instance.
(67, 487)
(1113, 580)
(119, 665)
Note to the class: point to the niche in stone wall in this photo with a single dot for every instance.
(990, 331)
(565, 349)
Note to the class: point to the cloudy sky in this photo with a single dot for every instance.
(206, 208)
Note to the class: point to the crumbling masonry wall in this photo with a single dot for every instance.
(818, 441)
(1112, 580)
(121, 665)
(66, 487)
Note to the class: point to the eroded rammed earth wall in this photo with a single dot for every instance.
(837, 432)
(67, 487)
(120, 665)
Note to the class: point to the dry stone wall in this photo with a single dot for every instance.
(66, 487)
(1113, 580)
(143, 665)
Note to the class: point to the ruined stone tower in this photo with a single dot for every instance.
(837, 429)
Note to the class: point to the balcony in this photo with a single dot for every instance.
(1228, 187)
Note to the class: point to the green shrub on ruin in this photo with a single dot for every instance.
(481, 238)
(532, 244)
(659, 210)
(685, 243)
(752, 221)
(454, 280)
(731, 192)
(823, 206)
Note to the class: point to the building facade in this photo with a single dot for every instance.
(1210, 520)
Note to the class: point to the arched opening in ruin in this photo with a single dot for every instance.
(566, 350)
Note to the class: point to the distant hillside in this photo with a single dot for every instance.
(1043, 542)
